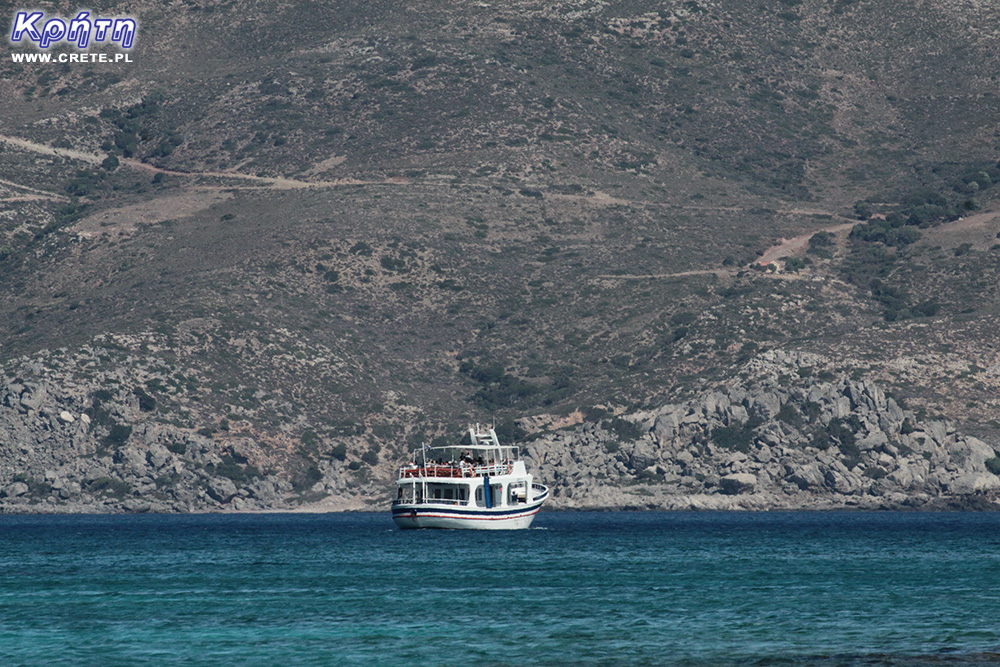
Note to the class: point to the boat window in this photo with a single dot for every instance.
(496, 491)
(517, 494)
(448, 493)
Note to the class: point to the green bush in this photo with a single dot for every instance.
(307, 478)
(851, 452)
(993, 465)
(594, 413)
(875, 472)
(508, 431)
(625, 430)
(821, 240)
(229, 467)
(790, 415)
(118, 435)
(737, 438)
(863, 210)
(109, 486)
(146, 402)
(794, 264)
(499, 389)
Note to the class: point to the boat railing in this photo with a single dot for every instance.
(452, 471)
(430, 501)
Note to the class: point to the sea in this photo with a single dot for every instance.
(577, 588)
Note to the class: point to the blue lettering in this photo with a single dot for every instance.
(124, 32)
(53, 31)
(25, 23)
(79, 30)
(102, 26)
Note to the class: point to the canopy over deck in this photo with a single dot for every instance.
(483, 445)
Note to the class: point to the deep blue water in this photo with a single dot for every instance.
(576, 589)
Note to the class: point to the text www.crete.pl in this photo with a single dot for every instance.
(29, 57)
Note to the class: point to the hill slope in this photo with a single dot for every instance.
(331, 232)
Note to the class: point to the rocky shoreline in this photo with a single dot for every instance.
(773, 443)
(787, 435)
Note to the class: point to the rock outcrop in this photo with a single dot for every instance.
(783, 437)
(68, 447)
(774, 441)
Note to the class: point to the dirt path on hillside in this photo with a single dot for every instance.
(278, 183)
(969, 222)
(719, 273)
(781, 250)
(36, 194)
(787, 247)
(784, 248)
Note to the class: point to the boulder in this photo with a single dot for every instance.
(894, 412)
(33, 397)
(873, 440)
(765, 405)
(133, 459)
(821, 394)
(715, 404)
(841, 407)
(158, 456)
(14, 490)
(221, 489)
(737, 483)
(806, 477)
(841, 482)
(665, 426)
(937, 430)
(971, 454)
(643, 455)
(684, 458)
(736, 414)
(969, 483)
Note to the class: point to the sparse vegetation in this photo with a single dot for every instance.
(503, 211)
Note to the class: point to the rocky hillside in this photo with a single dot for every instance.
(237, 281)
(788, 435)
(783, 437)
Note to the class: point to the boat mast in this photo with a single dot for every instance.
(423, 477)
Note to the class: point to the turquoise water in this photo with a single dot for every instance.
(576, 589)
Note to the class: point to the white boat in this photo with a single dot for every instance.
(483, 485)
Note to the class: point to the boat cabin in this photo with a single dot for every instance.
(482, 473)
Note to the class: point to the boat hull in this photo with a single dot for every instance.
(430, 515)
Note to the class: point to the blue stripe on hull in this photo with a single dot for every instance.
(430, 519)
(437, 516)
(469, 512)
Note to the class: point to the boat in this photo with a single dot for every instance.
(480, 485)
